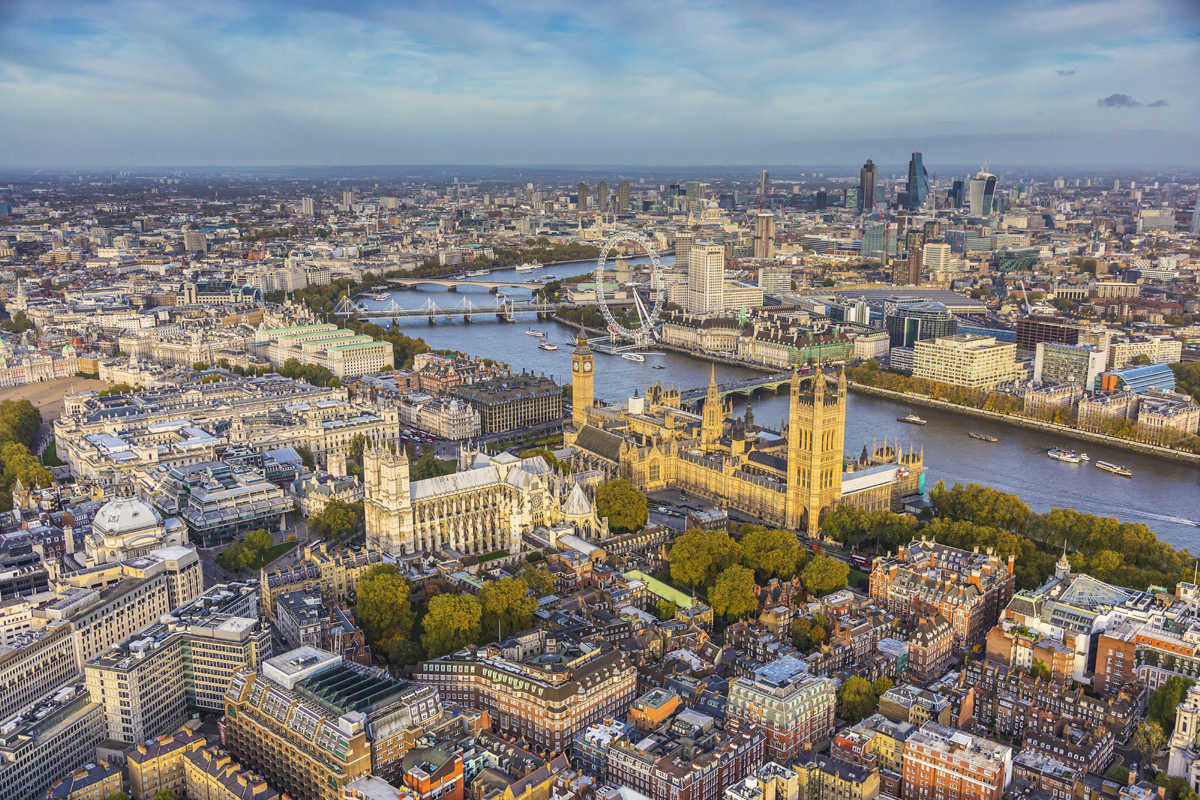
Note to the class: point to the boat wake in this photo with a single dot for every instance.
(1167, 518)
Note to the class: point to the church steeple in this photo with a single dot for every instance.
(710, 430)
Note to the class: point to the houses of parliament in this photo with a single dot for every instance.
(789, 478)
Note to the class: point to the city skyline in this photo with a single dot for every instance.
(318, 83)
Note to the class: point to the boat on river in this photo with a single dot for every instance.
(381, 297)
(657, 366)
(1066, 456)
(532, 332)
(543, 344)
(1115, 469)
(983, 437)
(912, 419)
(479, 273)
(638, 357)
(524, 268)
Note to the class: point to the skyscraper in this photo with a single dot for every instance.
(581, 202)
(623, 196)
(683, 248)
(763, 180)
(764, 235)
(983, 192)
(692, 188)
(307, 207)
(706, 276)
(956, 194)
(866, 185)
(348, 199)
(918, 182)
(602, 196)
(852, 196)
(916, 248)
(1196, 216)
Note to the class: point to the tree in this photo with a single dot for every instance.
(1165, 699)
(824, 575)
(166, 794)
(1148, 739)
(258, 544)
(699, 556)
(402, 652)
(507, 605)
(338, 520)
(856, 699)
(1140, 360)
(305, 453)
(770, 553)
(1118, 774)
(667, 609)
(117, 796)
(199, 366)
(540, 581)
(383, 607)
(358, 443)
(623, 504)
(733, 593)
(451, 624)
(1039, 669)
(802, 633)
(427, 466)
(882, 684)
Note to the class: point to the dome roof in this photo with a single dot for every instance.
(125, 515)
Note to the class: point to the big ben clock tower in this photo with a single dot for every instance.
(582, 372)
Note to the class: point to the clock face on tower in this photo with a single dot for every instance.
(587, 366)
(576, 366)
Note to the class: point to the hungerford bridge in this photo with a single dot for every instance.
(452, 284)
(504, 309)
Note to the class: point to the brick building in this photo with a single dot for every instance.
(969, 589)
(942, 763)
(930, 647)
(793, 708)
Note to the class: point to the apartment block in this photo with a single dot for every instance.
(158, 764)
(791, 706)
(947, 764)
(966, 359)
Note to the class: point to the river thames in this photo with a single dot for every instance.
(1161, 494)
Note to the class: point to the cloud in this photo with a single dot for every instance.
(1066, 72)
(1125, 101)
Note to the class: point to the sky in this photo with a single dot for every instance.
(600, 82)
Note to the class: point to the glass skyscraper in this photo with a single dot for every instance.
(866, 185)
(918, 182)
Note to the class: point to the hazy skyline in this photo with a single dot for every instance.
(305, 83)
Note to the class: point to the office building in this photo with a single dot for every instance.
(774, 280)
(1056, 363)
(970, 589)
(911, 322)
(1195, 226)
(866, 186)
(513, 403)
(93, 781)
(692, 190)
(1159, 349)
(348, 200)
(912, 269)
(683, 248)
(957, 193)
(623, 196)
(299, 617)
(880, 241)
(949, 764)
(339, 350)
(47, 740)
(850, 198)
(793, 707)
(1031, 330)
(308, 207)
(966, 359)
(935, 256)
(581, 199)
(706, 277)
(331, 571)
(764, 235)
(543, 694)
(219, 502)
(764, 181)
(213, 774)
(691, 759)
(148, 682)
(918, 183)
(195, 242)
(602, 197)
(311, 722)
(158, 764)
(982, 194)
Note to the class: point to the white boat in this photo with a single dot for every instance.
(479, 273)
(1115, 469)
(524, 268)
(548, 278)
(638, 357)
(1084, 457)
(381, 296)
(543, 344)
(1067, 456)
(532, 332)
